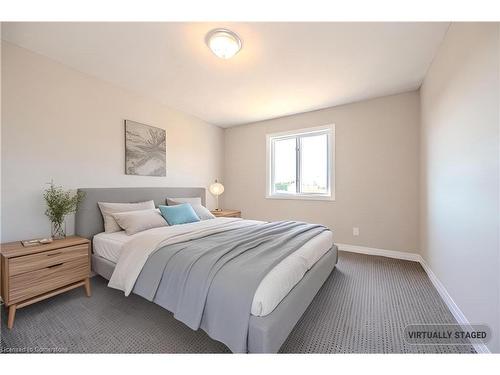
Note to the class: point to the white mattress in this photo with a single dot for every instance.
(272, 289)
(109, 245)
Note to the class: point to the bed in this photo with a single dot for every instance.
(274, 311)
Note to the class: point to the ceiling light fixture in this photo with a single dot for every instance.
(223, 43)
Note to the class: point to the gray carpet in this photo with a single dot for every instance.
(362, 308)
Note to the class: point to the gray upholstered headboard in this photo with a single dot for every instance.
(88, 218)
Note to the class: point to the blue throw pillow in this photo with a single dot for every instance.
(179, 214)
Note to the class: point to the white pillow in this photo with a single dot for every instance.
(202, 212)
(108, 209)
(137, 221)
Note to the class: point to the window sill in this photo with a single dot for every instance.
(302, 197)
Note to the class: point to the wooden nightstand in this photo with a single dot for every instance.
(32, 274)
(226, 213)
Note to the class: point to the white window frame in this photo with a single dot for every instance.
(327, 129)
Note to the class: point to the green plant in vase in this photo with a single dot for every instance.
(60, 203)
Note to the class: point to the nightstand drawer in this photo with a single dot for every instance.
(237, 214)
(40, 261)
(30, 284)
(226, 213)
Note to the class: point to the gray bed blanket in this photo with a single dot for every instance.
(210, 282)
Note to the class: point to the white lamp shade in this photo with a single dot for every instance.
(216, 188)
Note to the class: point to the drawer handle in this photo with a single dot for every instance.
(55, 265)
(49, 255)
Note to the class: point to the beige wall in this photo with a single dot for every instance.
(376, 172)
(460, 171)
(59, 123)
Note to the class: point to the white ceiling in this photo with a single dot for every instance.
(283, 68)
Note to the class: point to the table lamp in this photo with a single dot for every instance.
(216, 189)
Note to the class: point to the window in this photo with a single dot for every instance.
(300, 164)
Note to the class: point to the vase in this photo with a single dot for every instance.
(58, 230)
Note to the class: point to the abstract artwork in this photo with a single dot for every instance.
(145, 149)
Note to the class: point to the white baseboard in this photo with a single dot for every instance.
(379, 252)
(450, 303)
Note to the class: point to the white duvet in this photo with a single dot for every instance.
(133, 254)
